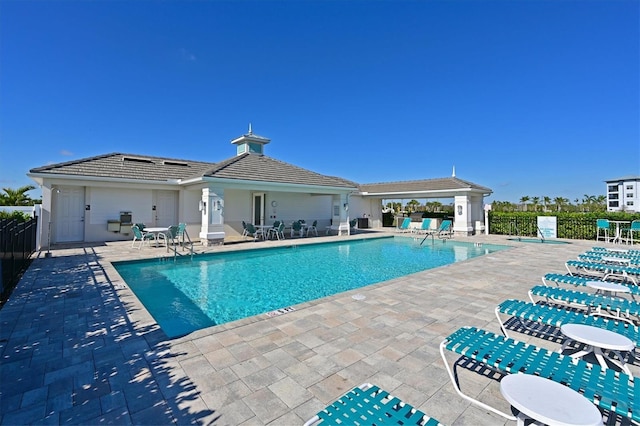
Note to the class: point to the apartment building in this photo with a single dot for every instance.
(623, 194)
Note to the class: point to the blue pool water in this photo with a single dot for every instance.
(213, 289)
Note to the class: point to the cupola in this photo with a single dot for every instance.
(253, 144)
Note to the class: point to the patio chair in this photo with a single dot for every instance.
(253, 232)
(602, 230)
(445, 231)
(296, 228)
(313, 228)
(169, 237)
(367, 404)
(276, 231)
(527, 313)
(244, 229)
(352, 225)
(594, 304)
(140, 236)
(631, 230)
(608, 389)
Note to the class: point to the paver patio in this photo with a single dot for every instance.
(78, 348)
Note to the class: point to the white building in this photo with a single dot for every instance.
(623, 194)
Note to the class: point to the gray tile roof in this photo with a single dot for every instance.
(141, 167)
(440, 184)
(266, 169)
(127, 166)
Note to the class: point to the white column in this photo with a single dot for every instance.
(462, 215)
(212, 210)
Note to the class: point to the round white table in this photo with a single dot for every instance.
(156, 231)
(608, 288)
(548, 402)
(596, 339)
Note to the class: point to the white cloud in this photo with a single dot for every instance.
(66, 153)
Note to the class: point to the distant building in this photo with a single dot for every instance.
(623, 194)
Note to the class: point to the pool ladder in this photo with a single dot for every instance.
(519, 237)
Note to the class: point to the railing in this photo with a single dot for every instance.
(17, 244)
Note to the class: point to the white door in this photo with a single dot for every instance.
(258, 208)
(68, 214)
(166, 208)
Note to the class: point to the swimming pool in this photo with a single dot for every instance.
(214, 289)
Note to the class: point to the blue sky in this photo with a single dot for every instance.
(529, 98)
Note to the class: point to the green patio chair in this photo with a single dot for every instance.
(140, 236)
(367, 404)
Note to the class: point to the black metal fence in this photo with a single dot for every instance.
(17, 244)
(575, 227)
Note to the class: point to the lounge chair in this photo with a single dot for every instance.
(595, 304)
(352, 225)
(424, 228)
(367, 404)
(605, 270)
(405, 226)
(140, 236)
(578, 281)
(528, 312)
(608, 389)
(445, 231)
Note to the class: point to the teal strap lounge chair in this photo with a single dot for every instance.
(445, 230)
(605, 270)
(554, 316)
(582, 281)
(608, 389)
(595, 304)
(619, 251)
(405, 226)
(425, 227)
(367, 404)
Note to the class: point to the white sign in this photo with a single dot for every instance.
(547, 227)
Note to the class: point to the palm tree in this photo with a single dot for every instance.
(546, 201)
(524, 201)
(17, 197)
(535, 201)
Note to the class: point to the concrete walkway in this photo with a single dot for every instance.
(78, 348)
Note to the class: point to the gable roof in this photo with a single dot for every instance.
(444, 187)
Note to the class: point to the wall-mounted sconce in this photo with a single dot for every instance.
(346, 206)
(87, 207)
(217, 205)
(202, 206)
(153, 208)
(459, 210)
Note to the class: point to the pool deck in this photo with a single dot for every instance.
(78, 347)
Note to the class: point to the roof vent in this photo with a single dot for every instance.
(138, 160)
(175, 163)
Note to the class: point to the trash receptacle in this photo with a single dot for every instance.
(479, 227)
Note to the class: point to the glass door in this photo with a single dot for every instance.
(258, 208)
